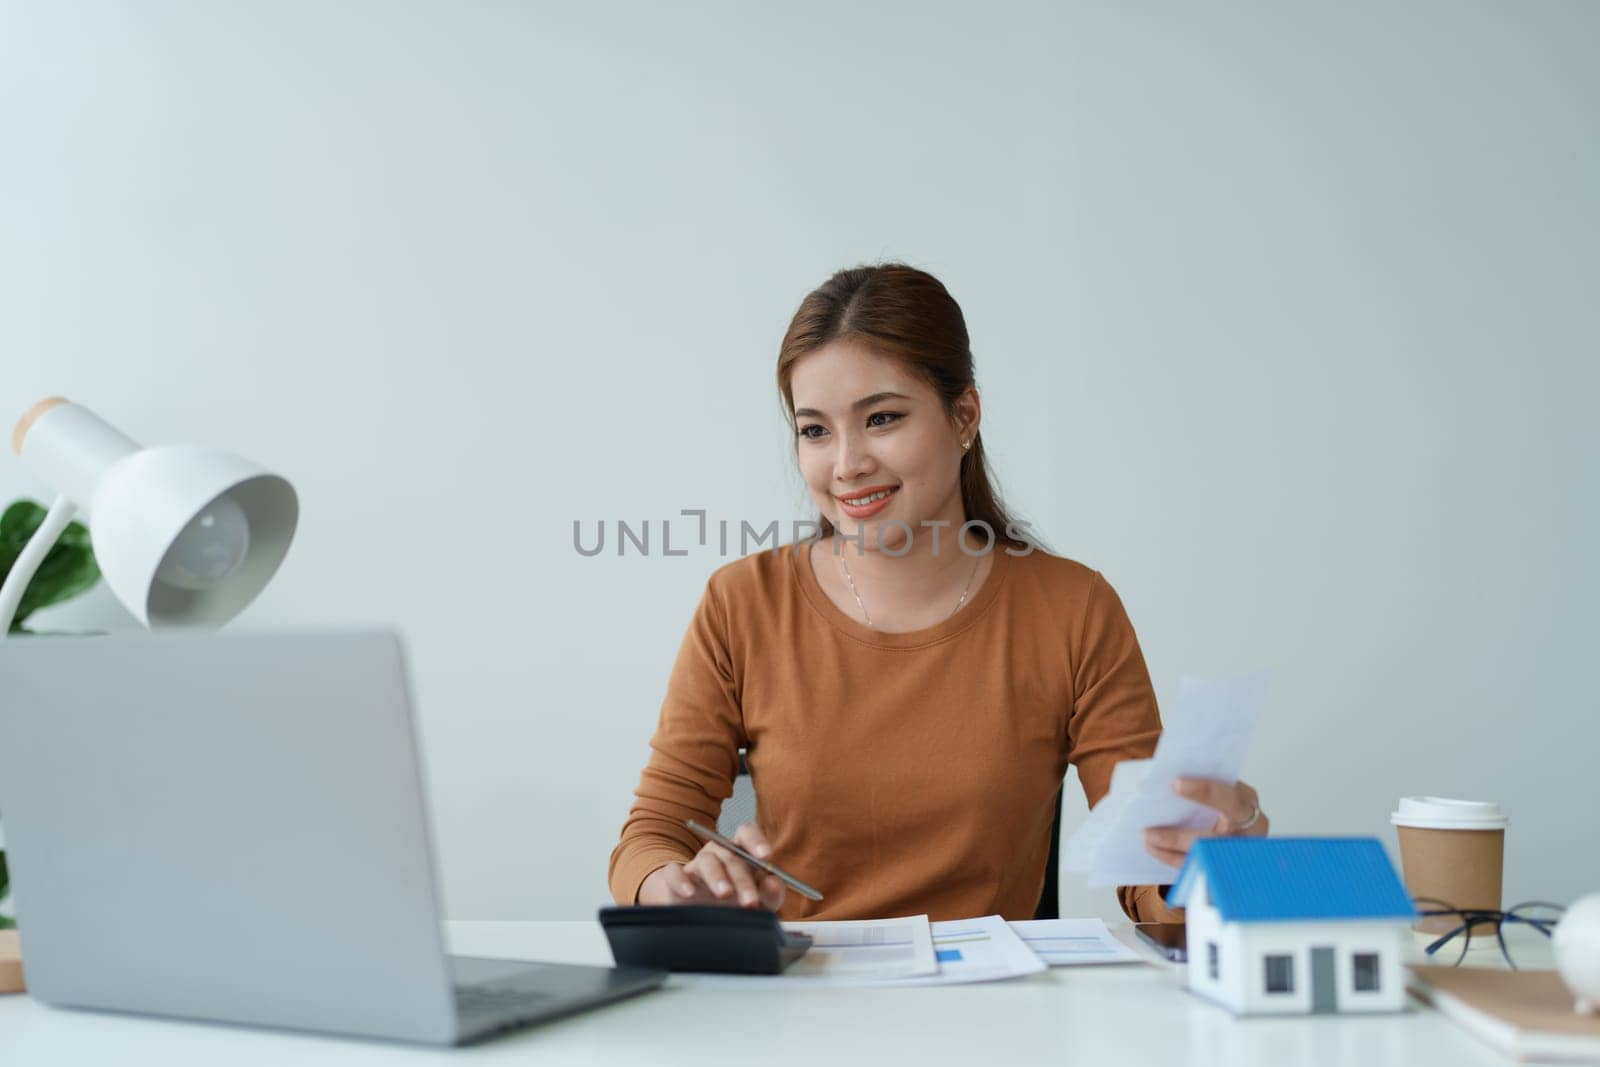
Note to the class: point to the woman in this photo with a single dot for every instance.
(911, 698)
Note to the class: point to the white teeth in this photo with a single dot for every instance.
(864, 500)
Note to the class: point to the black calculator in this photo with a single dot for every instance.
(701, 938)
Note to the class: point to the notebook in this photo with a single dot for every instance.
(1525, 1014)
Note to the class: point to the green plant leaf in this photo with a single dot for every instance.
(5, 875)
(69, 568)
(66, 571)
(20, 520)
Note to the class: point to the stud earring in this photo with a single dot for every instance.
(966, 446)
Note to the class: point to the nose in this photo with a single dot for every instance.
(853, 459)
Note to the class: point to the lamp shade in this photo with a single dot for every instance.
(185, 535)
(146, 501)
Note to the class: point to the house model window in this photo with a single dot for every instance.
(1295, 925)
(1366, 972)
(1280, 974)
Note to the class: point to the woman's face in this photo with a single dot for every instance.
(866, 426)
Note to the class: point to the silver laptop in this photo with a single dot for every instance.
(232, 827)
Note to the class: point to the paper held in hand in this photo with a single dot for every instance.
(1206, 736)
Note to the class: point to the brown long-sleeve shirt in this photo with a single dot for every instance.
(899, 773)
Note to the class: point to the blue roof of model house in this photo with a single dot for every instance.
(1260, 879)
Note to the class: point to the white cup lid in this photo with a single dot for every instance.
(1442, 813)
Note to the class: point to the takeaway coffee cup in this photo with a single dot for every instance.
(1454, 851)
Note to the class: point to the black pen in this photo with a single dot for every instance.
(762, 865)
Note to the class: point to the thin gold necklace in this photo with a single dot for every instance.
(863, 607)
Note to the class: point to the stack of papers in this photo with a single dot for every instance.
(1205, 737)
(913, 951)
(978, 950)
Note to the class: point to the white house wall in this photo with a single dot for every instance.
(1205, 925)
(1296, 939)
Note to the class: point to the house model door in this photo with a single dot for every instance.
(1324, 993)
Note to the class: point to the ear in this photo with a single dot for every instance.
(968, 413)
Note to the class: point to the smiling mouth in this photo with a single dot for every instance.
(870, 498)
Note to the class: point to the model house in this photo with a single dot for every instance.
(1284, 925)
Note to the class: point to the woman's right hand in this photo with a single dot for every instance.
(717, 876)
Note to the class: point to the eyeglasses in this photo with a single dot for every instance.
(1541, 915)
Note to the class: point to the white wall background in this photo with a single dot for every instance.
(1285, 319)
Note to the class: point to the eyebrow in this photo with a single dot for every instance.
(864, 402)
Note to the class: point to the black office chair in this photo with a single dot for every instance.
(740, 808)
(1050, 896)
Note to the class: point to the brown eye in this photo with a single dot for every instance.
(890, 417)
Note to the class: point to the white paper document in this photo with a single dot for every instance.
(1206, 736)
(1078, 851)
(978, 950)
(846, 953)
(895, 952)
(866, 950)
(1073, 942)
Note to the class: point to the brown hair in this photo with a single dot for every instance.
(905, 314)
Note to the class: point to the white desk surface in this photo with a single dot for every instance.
(1126, 1014)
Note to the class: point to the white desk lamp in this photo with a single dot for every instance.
(184, 535)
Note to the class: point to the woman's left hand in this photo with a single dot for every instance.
(1239, 814)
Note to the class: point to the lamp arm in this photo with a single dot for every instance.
(33, 554)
